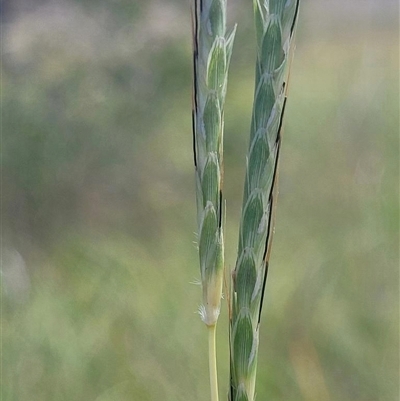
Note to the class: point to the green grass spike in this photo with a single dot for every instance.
(274, 22)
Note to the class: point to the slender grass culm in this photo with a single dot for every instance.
(211, 56)
(275, 23)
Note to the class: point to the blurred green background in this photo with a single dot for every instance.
(98, 212)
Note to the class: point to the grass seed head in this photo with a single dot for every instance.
(274, 23)
(212, 53)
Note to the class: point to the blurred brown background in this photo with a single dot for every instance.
(98, 204)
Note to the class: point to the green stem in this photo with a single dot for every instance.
(212, 360)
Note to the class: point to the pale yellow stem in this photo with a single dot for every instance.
(212, 360)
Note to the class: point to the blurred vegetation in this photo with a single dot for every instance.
(99, 206)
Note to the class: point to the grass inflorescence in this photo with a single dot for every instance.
(212, 53)
(275, 22)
